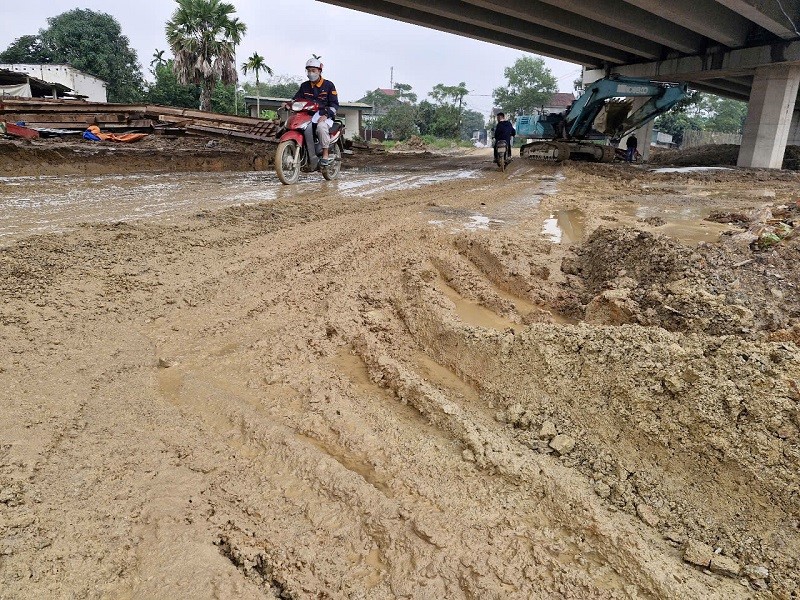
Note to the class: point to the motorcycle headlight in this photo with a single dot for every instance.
(298, 106)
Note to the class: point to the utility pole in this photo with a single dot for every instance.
(391, 78)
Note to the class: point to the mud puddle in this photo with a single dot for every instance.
(565, 226)
(37, 205)
(517, 209)
(472, 312)
(683, 223)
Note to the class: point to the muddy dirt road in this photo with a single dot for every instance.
(427, 380)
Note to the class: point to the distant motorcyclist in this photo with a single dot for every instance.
(323, 92)
(504, 130)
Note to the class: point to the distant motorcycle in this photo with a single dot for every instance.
(503, 154)
(298, 146)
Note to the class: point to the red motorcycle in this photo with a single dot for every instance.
(298, 146)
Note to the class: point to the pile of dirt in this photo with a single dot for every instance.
(623, 276)
(412, 144)
(716, 155)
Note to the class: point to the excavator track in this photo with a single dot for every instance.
(553, 151)
(568, 150)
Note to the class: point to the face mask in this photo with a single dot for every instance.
(312, 76)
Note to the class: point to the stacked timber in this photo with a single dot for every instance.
(71, 115)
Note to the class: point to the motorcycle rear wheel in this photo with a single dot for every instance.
(331, 172)
(287, 163)
(501, 156)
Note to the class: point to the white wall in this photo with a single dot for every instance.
(350, 118)
(80, 83)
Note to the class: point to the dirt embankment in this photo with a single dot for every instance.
(411, 392)
(155, 154)
(716, 155)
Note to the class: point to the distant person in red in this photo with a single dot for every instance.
(504, 130)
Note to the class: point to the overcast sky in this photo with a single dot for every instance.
(358, 49)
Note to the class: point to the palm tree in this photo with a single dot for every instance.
(158, 60)
(203, 36)
(256, 64)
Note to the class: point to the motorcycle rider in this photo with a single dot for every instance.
(504, 130)
(323, 92)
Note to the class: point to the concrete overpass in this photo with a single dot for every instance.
(743, 49)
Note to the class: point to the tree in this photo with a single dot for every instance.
(158, 60)
(93, 42)
(426, 113)
(404, 94)
(203, 36)
(168, 91)
(256, 64)
(89, 41)
(449, 103)
(399, 121)
(530, 85)
(470, 121)
(727, 115)
(26, 49)
(381, 101)
(683, 116)
(279, 86)
(223, 100)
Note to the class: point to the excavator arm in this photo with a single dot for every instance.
(580, 119)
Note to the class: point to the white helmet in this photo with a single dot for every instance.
(313, 62)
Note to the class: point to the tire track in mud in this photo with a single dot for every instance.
(317, 421)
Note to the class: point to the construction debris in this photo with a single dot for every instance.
(71, 115)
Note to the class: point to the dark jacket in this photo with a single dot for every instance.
(632, 142)
(504, 131)
(323, 92)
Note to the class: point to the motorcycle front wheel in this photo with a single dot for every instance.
(287, 162)
(331, 172)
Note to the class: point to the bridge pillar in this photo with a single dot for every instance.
(794, 130)
(769, 116)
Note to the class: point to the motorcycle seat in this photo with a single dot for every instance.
(335, 127)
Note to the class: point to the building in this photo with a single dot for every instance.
(82, 84)
(351, 113)
(558, 102)
(22, 85)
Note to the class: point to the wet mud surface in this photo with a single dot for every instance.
(426, 380)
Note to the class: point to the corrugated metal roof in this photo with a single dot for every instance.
(560, 99)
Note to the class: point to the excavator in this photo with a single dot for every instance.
(592, 126)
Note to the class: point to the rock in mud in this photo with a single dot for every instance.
(698, 553)
(725, 565)
(753, 572)
(563, 444)
(647, 514)
(612, 307)
(548, 430)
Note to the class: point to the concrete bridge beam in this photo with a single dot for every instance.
(769, 15)
(706, 17)
(638, 22)
(523, 12)
(769, 116)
